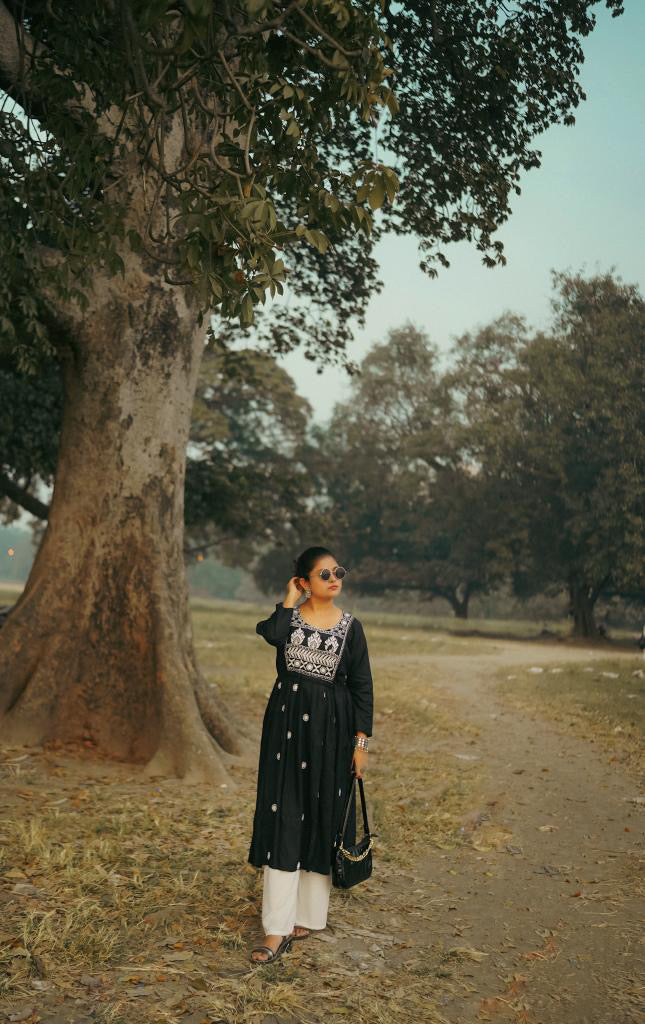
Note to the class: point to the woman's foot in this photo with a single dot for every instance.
(299, 932)
(273, 942)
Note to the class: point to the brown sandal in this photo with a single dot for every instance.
(296, 938)
(284, 947)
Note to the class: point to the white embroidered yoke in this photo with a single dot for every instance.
(315, 652)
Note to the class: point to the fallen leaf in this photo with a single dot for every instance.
(140, 990)
(472, 954)
(26, 889)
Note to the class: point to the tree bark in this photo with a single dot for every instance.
(99, 647)
(582, 600)
(459, 601)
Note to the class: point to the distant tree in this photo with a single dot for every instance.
(559, 418)
(410, 512)
(244, 479)
(160, 162)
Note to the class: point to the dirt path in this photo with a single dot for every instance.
(553, 905)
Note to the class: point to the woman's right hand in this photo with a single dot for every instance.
(293, 592)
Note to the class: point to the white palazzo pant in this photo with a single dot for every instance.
(294, 898)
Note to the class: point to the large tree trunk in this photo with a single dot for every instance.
(99, 648)
(583, 599)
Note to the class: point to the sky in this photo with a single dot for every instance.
(582, 210)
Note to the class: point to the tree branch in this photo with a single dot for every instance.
(21, 497)
(330, 39)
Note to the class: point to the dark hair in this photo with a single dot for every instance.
(304, 563)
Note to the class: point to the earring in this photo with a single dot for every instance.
(307, 592)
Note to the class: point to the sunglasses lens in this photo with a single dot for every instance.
(340, 572)
(325, 574)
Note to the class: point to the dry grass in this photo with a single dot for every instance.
(137, 897)
(604, 702)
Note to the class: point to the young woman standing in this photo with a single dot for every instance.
(314, 737)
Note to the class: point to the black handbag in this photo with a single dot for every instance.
(353, 864)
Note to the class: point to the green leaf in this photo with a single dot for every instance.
(318, 239)
(293, 128)
(246, 311)
(377, 195)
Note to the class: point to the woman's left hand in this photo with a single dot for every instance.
(359, 762)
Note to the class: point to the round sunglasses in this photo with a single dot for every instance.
(338, 571)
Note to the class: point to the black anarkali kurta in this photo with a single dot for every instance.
(322, 695)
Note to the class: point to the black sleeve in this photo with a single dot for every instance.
(359, 681)
(275, 629)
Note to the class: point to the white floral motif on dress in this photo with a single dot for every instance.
(314, 640)
(297, 636)
(331, 643)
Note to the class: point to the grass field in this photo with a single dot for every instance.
(521, 629)
(149, 885)
(126, 901)
(604, 701)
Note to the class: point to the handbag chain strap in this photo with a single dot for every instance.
(355, 857)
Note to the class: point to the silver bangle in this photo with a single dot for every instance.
(361, 742)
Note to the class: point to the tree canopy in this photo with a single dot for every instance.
(235, 147)
(560, 419)
(403, 502)
(244, 479)
(521, 462)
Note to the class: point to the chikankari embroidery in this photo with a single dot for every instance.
(313, 654)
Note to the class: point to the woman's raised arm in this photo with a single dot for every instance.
(275, 629)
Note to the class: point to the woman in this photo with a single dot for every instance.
(314, 736)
